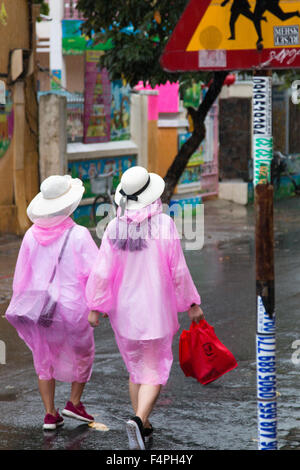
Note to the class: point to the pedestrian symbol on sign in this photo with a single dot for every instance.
(242, 7)
(235, 35)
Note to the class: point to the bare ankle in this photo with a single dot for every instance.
(51, 411)
(76, 403)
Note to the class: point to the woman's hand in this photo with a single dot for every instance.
(195, 313)
(93, 318)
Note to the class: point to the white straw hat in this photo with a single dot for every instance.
(138, 188)
(59, 194)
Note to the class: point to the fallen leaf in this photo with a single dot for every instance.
(98, 426)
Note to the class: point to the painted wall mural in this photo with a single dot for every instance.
(88, 171)
(120, 111)
(106, 104)
(76, 43)
(6, 123)
(55, 83)
(97, 98)
(193, 170)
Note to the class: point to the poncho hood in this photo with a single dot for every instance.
(47, 235)
(138, 216)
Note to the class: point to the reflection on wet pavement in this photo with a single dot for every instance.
(188, 416)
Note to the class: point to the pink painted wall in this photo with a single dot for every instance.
(167, 100)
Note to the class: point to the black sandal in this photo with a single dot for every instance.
(148, 433)
(135, 432)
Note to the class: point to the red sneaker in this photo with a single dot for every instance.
(52, 422)
(77, 412)
(59, 419)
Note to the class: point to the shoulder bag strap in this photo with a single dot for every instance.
(61, 253)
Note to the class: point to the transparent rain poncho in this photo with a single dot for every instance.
(141, 280)
(64, 350)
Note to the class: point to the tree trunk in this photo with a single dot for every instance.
(190, 146)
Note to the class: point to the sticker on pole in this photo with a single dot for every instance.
(267, 424)
(262, 106)
(266, 367)
(263, 155)
(265, 324)
(262, 129)
(235, 35)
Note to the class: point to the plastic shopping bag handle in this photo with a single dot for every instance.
(202, 323)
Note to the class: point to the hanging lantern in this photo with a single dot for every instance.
(230, 79)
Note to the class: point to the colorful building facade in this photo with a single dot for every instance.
(107, 125)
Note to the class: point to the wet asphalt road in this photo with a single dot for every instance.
(188, 416)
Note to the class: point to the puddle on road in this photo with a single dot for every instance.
(8, 396)
(293, 440)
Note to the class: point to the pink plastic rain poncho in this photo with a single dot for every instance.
(141, 280)
(65, 350)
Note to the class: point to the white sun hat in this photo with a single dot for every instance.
(59, 196)
(138, 188)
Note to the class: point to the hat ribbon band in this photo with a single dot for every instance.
(134, 196)
(56, 197)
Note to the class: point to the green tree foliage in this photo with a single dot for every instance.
(139, 31)
(44, 6)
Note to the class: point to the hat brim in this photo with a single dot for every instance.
(41, 207)
(152, 192)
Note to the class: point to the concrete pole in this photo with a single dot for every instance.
(139, 126)
(52, 135)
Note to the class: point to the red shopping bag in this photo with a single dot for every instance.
(202, 355)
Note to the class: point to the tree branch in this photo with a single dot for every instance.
(190, 146)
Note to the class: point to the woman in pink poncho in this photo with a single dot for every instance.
(61, 339)
(141, 280)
